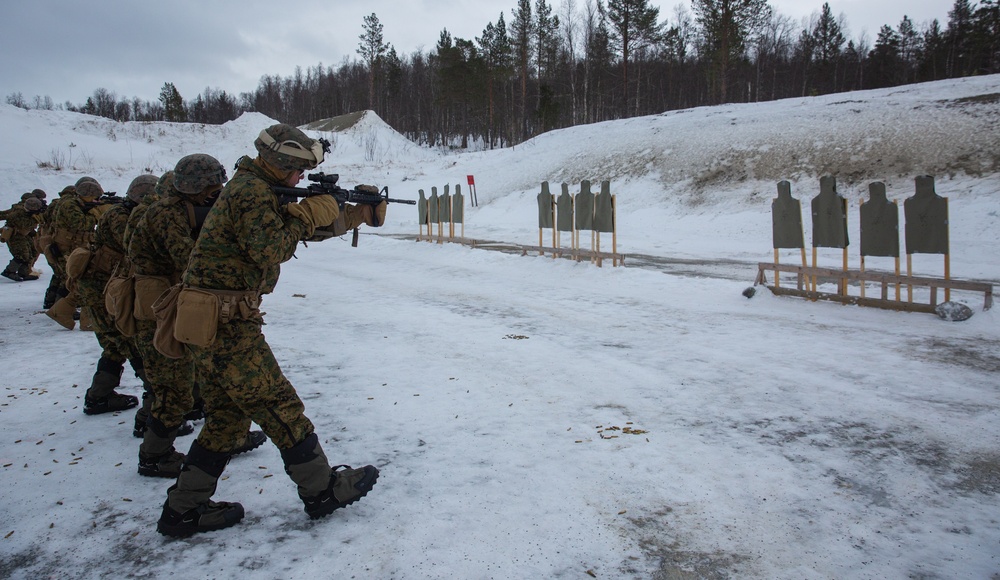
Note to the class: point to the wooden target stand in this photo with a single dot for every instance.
(808, 277)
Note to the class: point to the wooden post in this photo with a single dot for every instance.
(909, 272)
(597, 259)
(814, 285)
(777, 274)
(898, 285)
(843, 281)
(947, 258)
(593, 235)
(804, 265)
(947, 276)
(862, 279)
(555, 235)
(614, 232)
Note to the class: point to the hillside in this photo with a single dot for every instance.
(540, 418)
(675, 168)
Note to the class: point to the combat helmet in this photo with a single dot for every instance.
(88, 189)
(165, 184)
(193, 174)
(39, 193)
(289, 149)
(34, 205)
(141, 187)
(27, 196)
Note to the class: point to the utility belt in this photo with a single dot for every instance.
(189, 315)
(68, 240)
(233, 304)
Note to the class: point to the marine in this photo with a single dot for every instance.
(72, 227)
(19, 233)
(106, 254)
(236, 260)
(158, 249)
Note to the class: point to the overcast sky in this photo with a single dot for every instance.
(65, 49)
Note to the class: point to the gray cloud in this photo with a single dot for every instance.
(65, 48)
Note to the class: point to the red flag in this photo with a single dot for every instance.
(472, 180)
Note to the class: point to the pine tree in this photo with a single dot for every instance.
(909, 48)
(522, 29)
(987, 37)
(726, 25)
(828, 41)
(173, 104)
(372, 49)
(934, 54)
(546, 26)
(633, 24)
(959, 37)
(494, 45)
(884, 58)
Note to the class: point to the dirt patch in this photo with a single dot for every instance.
(340, 123)
(987, 99)
(968, 353)
(981, 474)
(673, 561)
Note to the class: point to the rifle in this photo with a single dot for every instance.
(326, 184)
(109, 197)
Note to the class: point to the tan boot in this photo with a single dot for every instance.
(62, 312)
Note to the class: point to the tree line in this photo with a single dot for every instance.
(540, 68)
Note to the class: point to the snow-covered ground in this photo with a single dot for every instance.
(544, 418)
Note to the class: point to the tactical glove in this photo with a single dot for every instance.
(98, 210)
(374, 215)
(316, 211)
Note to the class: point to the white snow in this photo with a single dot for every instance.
(545, 418)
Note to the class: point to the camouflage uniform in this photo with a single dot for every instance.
(107, 254)
(245, 238)
(43, 242)
(72, 227)
(22, 223)
(160, 237)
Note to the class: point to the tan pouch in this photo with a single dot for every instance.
(105, 260)
(165, 310)
(6, 233)
(148, 290)
(77, 262)
(119, 297)
(42, 242)
(197, 317)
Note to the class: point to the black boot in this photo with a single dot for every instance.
(253, 440)
(24, 271)
(142, 416)
(322, 489)
(157, 456)
(101, 396)
(51, 295)
(11, 271)
(189, 508)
